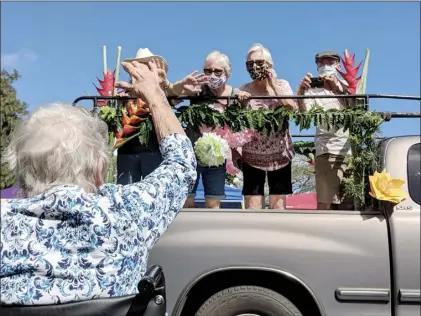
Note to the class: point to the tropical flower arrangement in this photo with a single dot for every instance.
(124, 120)
(234, 140)
(351, 71)
(211, 149)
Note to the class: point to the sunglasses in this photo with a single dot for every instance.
(251, 63)
(217, 72)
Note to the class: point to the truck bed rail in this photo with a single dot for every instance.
(387, 115)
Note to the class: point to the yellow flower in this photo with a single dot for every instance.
(383, 187)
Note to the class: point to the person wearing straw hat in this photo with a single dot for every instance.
(135, 160)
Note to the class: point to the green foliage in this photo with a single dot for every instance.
(273, 120)
(108, 114)
(305, 148)
(361, 124)
(112, 169)
(303, 175)
(11, 110)
(232, 180)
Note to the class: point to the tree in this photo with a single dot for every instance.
(303, 177)
(11, 110)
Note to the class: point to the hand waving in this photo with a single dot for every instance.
(192, 82)
(145, 78)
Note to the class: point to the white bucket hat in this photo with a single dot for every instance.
(143, 55)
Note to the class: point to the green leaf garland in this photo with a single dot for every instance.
(362, 125)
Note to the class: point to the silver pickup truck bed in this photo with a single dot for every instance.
(332, 263)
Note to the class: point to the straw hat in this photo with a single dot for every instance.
(143, 55)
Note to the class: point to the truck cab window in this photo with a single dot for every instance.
(414, 175)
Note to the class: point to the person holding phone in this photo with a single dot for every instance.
(266, 155)
(332, 145)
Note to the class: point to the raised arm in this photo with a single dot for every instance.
(155, 201)
(175, 89)
(189, 85)
(305, 104)
(282, 87)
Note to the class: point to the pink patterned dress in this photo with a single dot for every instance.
(273, 152)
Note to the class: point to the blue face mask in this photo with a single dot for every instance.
(327, 70)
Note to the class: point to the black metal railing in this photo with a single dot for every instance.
(366, 97)
(312, 135)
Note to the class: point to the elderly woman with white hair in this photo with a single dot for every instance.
(269, 155)
(72, 237)
(217, 68)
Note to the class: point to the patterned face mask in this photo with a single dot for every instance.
(258, 72)
(216, 82)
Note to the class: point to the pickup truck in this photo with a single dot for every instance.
(300, 262)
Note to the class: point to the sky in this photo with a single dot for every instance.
(57, 46)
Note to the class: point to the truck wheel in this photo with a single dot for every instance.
(248, 301)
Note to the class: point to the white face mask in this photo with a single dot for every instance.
(327, 70)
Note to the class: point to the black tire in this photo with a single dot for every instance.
(248, 299)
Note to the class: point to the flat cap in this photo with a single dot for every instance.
(328, 53)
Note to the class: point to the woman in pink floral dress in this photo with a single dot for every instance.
(266, 155)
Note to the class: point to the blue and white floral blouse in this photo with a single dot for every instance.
(65, 244)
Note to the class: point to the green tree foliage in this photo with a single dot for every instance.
(11, 110)
(303, 177)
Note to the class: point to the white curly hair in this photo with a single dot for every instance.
(58, 144)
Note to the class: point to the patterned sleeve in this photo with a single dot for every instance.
(156, 200)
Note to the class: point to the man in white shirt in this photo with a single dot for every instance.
(331, 145)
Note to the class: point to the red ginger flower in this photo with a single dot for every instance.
(107, 86)
(350, 74)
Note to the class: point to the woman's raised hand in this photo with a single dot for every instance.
(194, 81)
(145, 78)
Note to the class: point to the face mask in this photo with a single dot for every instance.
(327, 70)
(216, 82)
(259, 72)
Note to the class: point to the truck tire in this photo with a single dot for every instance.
(250, 300)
